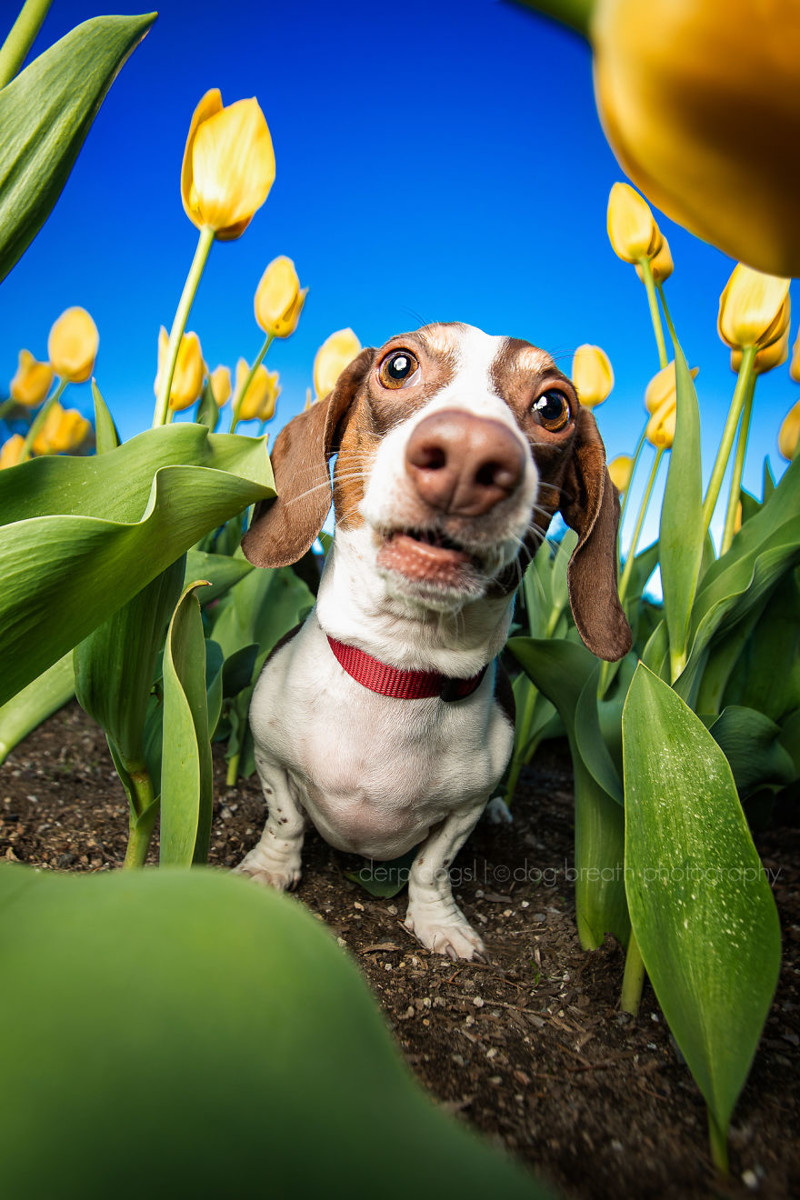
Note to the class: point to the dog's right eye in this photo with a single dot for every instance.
(398, 369)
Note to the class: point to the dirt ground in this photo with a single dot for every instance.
(530, 1048)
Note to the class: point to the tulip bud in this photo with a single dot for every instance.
(632, 229)
(753, 308)
(770, 356)
(228, 165)
(620, 470)
(663, 387)
(32, 381)
(661, 265)
(794, 366)
(63, 430)
(790, 432)
(279, 300)
(660, 430)
(11, 451)
(335, 353)
(592, 375)
(72, 345)
(258, 402)
(187, 381)
(220, 380)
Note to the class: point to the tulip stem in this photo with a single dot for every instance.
(262, 354)
(738, 468)
(632, 978)
(636, 456)
(22, 36)
(729, 433)
(655, 314)
(39, 420)
(626, 574)
(161, 415)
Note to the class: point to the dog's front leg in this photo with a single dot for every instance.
(433, 915)
(275, 860)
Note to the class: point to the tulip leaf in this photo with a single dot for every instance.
(81, 536)
(751, 743)
(106, 433)
(187, 783)
(701, 907)
(681, 534)
(45, 115)
(20, 715)
(221, 570)
(211, 1017)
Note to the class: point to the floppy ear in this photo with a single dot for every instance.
(590, 505)
(284, 528)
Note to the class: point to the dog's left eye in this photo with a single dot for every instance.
(552, 409)
(398, 369)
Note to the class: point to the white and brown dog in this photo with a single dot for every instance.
(379, 718)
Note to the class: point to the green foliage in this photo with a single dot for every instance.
(42, 696)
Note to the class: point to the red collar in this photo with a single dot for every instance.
(401, 685)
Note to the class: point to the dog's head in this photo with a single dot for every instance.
(454, 451)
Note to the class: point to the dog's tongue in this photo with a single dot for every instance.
(420, 560)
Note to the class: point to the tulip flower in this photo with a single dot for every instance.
(632, 230)
(32, 381)
(661, 264)
(772, 355)
(660, 430)
(753, 309)
(220, 380)
(335, 353)
(279, 298)
(620, 469)
(228, 165)
(11, 451)
(63, 430)
(789, 433)
(187, 382)
(662, 387)
(72, 345)
(258, 401)
(794, 366)
(592, 375)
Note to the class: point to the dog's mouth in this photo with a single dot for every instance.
(428, 556)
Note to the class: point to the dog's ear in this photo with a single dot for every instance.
(284, 528)
(590, 505)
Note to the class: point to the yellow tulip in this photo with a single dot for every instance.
(73, 344)
(258, 402)
(794, 366)
(753, 308)
(187, 382)
(790, 432)
(661, 264)
(220, 380)
(279, 298)
(32, 381)
(700, 102)
(63, 430)
(335, 353)
(663, 387)
(592, 375)
(11, 451)
(660, 430)
(620, 469)
(632, 229)
(772, 355)
(228, 165)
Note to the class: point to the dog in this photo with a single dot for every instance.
(383, 717)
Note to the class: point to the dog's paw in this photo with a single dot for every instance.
(283, 877)
(454, 939)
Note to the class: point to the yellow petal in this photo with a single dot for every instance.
(220, 380)
(279, 300)
(790, 432)
(661, 426)
(63, 430)
(750, 306)
(662, 387)
(211, 103)
(72, 345)
(187, 382)
(620, 469)
(592, 375)
(661, 264)
(632, 230)
(335, 353)
(233, 168)
(771, 356)
(11, 451)
(32, 381)
(258, 402)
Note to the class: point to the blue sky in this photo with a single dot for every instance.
(436, 160)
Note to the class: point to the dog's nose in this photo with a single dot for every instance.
(462, 464)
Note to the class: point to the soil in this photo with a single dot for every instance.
(531, 1047)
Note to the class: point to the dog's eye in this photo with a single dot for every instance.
(552, 409)
(398, 369)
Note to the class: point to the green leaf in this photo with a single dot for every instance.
(383, 879)
(751, 743)
(45, 115)
(681, 535)
(106, 432)
(207, 410)
(221, 570)
(42, 697)
(214, 684)
(206, 1031)
(81, 536)
(260, 609)
(767, 673)
(701, 906)
(187, 780)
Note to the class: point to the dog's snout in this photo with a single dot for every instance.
(462, 464)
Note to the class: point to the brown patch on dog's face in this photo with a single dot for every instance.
(432, 354)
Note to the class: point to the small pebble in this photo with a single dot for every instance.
(477, 1001)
